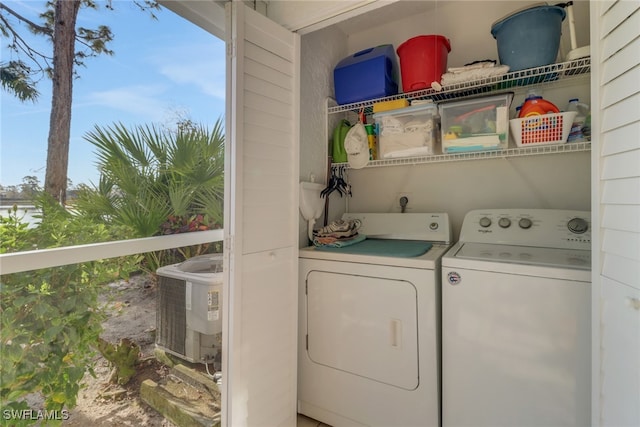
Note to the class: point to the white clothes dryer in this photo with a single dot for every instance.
(369, 349)
(516, 344)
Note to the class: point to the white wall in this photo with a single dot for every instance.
(320, 52)
(559, 181)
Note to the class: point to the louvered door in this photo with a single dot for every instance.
(261, 220)
(615, 36)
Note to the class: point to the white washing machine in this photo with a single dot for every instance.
(369, 324)
(516, 335)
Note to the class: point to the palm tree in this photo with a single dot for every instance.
(157, 181)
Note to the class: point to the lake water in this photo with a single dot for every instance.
(25, 212)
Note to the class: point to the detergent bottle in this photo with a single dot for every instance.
(536, 105)
(577, 128)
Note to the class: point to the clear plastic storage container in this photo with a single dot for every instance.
(407, 132)
(476, 124)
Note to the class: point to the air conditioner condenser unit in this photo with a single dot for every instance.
(189, 308)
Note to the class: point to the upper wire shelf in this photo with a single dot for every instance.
(532, 76)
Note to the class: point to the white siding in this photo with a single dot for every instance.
(261, 221)
(615, 39)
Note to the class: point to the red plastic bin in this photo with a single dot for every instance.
(423, 60)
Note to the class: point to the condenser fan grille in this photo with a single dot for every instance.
(171, 314)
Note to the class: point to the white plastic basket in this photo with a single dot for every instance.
(543, 129)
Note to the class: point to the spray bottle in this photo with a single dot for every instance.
(577, 133)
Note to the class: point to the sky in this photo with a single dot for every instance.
(161, 70)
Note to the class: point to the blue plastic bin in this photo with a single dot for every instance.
(529, 38)
(368, 74)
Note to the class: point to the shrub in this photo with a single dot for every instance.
(14, 232)
(51, 318)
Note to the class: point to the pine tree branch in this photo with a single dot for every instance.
(35, 27)
(20, 44)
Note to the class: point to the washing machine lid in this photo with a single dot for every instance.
(526, 255)
(429, 260)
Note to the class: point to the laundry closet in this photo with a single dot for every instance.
(559, 180)
(442, 181)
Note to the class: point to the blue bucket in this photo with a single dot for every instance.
(529, 38)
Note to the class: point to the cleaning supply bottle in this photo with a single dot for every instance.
(536, 105)
(577, 134)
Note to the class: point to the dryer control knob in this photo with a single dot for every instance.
(578, 225)
(525, 223)
(485, 222)
(504, 222)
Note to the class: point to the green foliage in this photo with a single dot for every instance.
(14, 233)
(51, 319)
(157, 181)
(15, 77)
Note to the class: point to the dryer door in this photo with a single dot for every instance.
(363, 325)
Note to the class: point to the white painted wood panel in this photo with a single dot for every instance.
(623, 9)
(622, 165)
(622, 87)
(621, 191)
(267, 73)
(277, 63)
(261, 214)
(621, 217)
(263, 119)
(262, 102)
(620, 63)
(620, 330)
(304, 13)
(615, 46)
(209, 15)
(262, 87)
(621, 113)
(268, 333)
(619, 35)
(622, 270)
(622, 243)
(618, 140)
(273, 137)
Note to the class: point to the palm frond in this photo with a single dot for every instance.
(149, 174)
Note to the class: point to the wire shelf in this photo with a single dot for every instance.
(494, 154)
(506, 82)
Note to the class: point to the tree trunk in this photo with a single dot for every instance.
(64, 34)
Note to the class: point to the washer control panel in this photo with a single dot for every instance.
(432, 227)
(550, 228)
